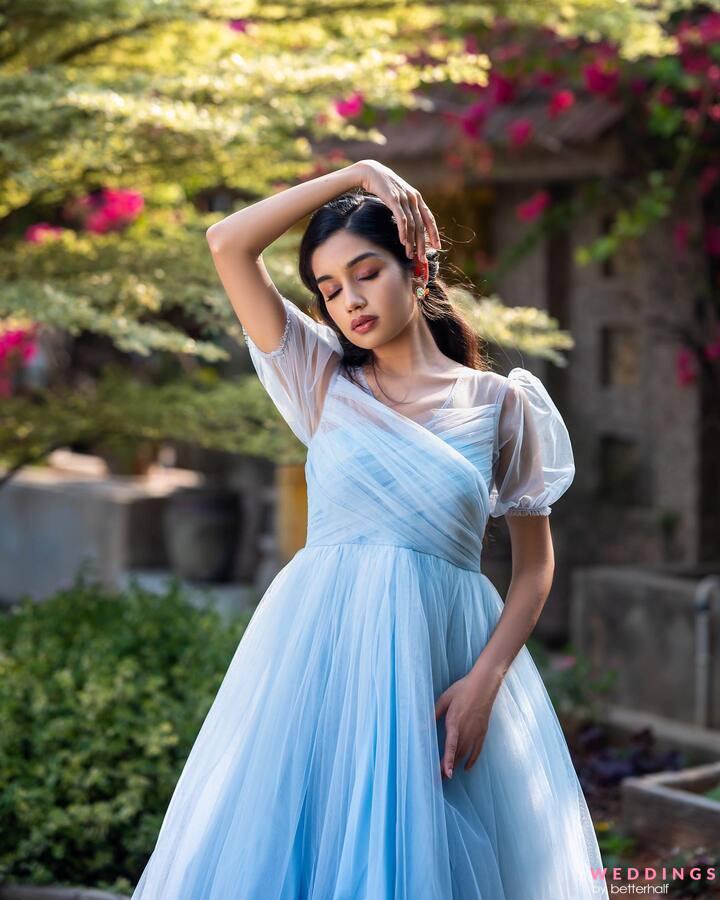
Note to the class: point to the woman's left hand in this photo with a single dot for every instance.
(467, 704)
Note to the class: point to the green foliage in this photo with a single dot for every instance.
(237, 416)
(615, 847)
(125, 286)
(650, 206)
(523, 328)
(101, 698)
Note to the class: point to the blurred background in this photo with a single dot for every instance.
(149, 491)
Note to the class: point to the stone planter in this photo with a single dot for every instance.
(670, 806)
(658, 628)
(133, 458)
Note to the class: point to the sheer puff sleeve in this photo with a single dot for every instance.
(297, 372)
(533, 459)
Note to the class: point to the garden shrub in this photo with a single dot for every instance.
(101, 697)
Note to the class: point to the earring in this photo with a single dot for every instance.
(421, 292)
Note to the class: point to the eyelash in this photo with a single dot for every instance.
(366, 278)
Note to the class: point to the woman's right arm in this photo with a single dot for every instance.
(237, 242)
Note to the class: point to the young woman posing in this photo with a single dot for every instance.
(381, 657)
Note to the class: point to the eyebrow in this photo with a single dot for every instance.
(349, 265)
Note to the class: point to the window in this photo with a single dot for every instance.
(624, 472)
(619, 355)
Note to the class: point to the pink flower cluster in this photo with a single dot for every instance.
(533, 207)
(17, 347)
(109, 210)
(351, 106)
(686, 368)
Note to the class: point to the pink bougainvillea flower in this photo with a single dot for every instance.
(712, 350)
(115, 208)
(685, 370)
(473, 118)
(709, 28)
(559, 102)
(681, 233)
(42, 231)
(708, 177)
(714, 112)
(638, 86)
(695, 62)
(17, 347)
(602, 74)
(533, 207)
(471, 44)
(239, 24)
(693, 55)
(519, 132)
(712, 240)
(502, 88)
(351, 106)
(665, 96)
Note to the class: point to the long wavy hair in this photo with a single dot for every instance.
(367, 216)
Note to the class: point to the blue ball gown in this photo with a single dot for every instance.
(316, 772)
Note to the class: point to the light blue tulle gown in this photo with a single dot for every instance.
(316, 772)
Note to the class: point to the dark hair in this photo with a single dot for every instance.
(365, 215)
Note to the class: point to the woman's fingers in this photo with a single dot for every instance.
(451, 742)
(429, 220)
(410, 230)
(419, 227)
(400, 218)
(412, 215)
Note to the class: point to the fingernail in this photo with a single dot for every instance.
(450, 771)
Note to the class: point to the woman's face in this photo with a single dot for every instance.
(358, 278)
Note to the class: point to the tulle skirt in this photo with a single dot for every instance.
(316, 772)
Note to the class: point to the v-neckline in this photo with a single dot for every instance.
(400, 415)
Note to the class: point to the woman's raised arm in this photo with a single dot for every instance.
(237, 242)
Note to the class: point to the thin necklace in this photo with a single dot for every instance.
(398, 402)
(405, 402)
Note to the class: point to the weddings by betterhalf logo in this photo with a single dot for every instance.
(619, 880)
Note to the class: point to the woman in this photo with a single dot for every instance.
(381, 658)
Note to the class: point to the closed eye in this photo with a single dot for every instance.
(366, 278)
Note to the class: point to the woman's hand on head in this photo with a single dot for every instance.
(411, 213)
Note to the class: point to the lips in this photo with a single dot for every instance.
(362, 320)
